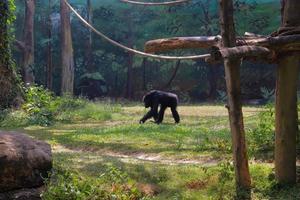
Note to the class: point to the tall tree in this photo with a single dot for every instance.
(207, 24)
(89, 42)
(8, 81)
(49, 48)
(28, 51)
(232, 75)
(130, 40)
(286, 99)
(67, 58)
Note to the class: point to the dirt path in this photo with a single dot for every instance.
(205, 161)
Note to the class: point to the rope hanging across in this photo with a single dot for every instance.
(134, 51)
(167, 3)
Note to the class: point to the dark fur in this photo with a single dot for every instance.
(157, 98)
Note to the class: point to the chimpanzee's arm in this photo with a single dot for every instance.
(151, 113)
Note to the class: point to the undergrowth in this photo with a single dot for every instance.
(110, 185)
(42, 107)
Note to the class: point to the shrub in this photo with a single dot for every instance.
(113, 184)
(261, 138)
(13, 119)
(38, 106)
(43, 108)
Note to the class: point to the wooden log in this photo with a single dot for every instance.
(161, 45)
(245, 52)
(166, 3)
(278, 44)
(232, 75)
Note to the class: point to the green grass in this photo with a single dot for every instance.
(102, 151)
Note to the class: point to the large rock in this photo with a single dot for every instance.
(23, 194)
(24, 162)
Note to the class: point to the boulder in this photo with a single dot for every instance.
(24, 162)
(23, 194)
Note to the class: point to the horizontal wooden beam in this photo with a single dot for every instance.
(162, 45)
(278, 44)
(244, 52)
(166, 3)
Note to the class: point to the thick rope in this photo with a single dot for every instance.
(204, 56)
(168, 3)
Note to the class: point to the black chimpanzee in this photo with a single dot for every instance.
(157, 98)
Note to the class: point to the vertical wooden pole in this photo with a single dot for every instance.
(232, 74)
(286, 117)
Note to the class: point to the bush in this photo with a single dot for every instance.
(113, 184)
(38, 106)
(43, 108)
(13, 119)
(261, 138)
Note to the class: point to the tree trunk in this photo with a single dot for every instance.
(212, 70)
(129, 89)
(28, 55)
(144, 64)
(49, 49)
(212, 79)
(67, 59)
(129, 85)
(168, 84)
(8, 81)
(232, 73)
(89, 42)
(286, 101)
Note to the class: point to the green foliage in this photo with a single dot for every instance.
(91, 111)
(43, 108)
(94, 76)
(10, 86)
(66, 103)
(261, 138)
(13, 119)
(66, 185)
(38, 106)
(267, 94)
(222, 96)
(225, 184)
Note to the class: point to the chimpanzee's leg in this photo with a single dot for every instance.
(161, 114)
(175, 114)
(151, 113)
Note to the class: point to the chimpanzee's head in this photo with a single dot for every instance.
(147, 101)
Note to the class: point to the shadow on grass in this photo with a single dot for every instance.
(99, 166)
(134, 139)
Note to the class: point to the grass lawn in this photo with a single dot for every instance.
(97, 151)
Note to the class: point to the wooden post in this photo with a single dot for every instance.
(286, 117)
(232, 73)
